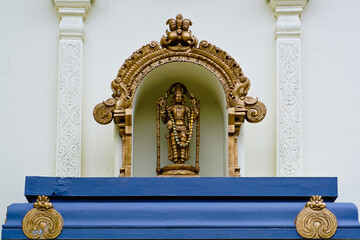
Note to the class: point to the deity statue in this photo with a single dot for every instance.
(180, 120)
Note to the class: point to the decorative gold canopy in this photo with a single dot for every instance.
(179, 45)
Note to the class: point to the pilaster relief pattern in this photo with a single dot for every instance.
(289, 108)
(288, 55)
(68, 157)
(69, 109)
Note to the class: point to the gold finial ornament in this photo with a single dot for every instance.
(315, 221)
(180, 120)
(179, 38)
(43, 221)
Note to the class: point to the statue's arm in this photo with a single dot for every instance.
(164, 116)
(196, 107)
(188, 113)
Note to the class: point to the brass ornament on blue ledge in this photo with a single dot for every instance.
(315, 221)
(43, 221)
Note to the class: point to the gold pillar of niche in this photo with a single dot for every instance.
(123, 119)
(179, 45)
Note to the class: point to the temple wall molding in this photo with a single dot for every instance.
(288, 78)
(71, 31)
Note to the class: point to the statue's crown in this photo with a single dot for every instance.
(178, 88)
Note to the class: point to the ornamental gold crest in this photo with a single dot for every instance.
(315, 221)
(43, 221)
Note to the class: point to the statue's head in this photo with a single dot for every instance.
(178, 95)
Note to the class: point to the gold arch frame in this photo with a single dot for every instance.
(182, 48)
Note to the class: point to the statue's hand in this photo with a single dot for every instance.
(162, 104)
(196, 107)
(169, 125)
(196, 111)
(195, 103)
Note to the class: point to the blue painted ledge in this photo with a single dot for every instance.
(181, 208)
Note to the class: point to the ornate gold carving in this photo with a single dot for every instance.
(103, 112)
(123, 119)
(180, 46)
(315, 221)
(255, 110)
(180, 120)
(179, 38)
(238, 84)
(43, 221)
(235, 84)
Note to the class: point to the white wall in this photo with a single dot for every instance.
(114, 29)
(28, 95)
(331, 93)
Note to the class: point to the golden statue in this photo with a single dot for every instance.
(180, 120)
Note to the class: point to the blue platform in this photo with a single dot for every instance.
(181, 208)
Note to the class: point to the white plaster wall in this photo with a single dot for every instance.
(28, 95)
(331, 93)
(114, 29)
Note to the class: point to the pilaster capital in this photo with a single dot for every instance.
(279, 5)
(72, 4)
(288, 14)
(73, 14)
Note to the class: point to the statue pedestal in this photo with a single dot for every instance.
(181, 208)
(196, 175)
(179, 170)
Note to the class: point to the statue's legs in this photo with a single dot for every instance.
(183, 139)
(175, 155)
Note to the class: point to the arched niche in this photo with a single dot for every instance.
(179, 49)
(202, 84)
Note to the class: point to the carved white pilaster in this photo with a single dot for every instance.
(288, 74)
(68, 150)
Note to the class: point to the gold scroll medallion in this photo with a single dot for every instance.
(43, 221)
(315, 221)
